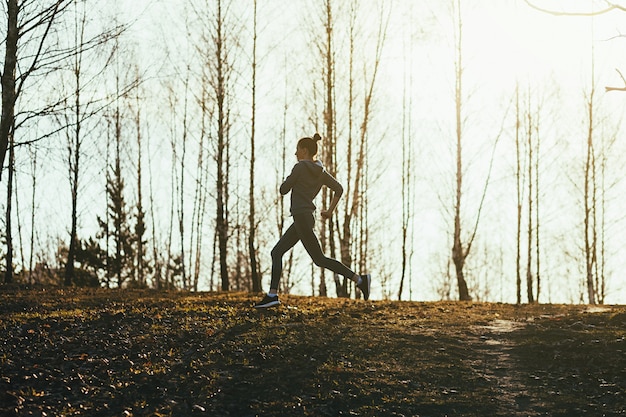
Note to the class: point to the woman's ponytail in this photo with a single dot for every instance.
(310, 144)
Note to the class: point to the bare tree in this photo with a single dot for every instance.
(287, 283)
(79, 107)
(327, 51)
(519, 194)
(119, 230)
(594, 197)
(74, 141)
(33, 165)
(460, 251)
(200, 194)
(531, 196)
(27, 27)
(356, 178)
(179, 150)
(352, 143)
(536, 164)
(115, 227)
(255, 276)
(28, 30)
(407, 170)
(140, 214)
(590, 202)
(157, 257)
(29, 52)
(215, 48)
(221, 73)
(462, 244)
(8, 275)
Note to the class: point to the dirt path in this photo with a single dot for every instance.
(493, 361)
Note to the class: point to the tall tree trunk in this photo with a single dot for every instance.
(222, 160)
(529, 272)
(168, 279)
(590, 196)
(157, 280)
(200, 198)
(74, 160)
(407, 172)
(12, 84)
(519, 188)
(345, 235)
(327, 234)
(537, 230)
(181, 191)
(589, 206)
(600, 275)
(459, 254)
(355, 183)
(74, 142)
(286, 282)
(117, 180)
(8, 274)
(33, 159)
(8, 80)
(140, 226)
(8, 118)
(106, 222)
(256, 279)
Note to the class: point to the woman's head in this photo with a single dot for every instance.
(308, 145)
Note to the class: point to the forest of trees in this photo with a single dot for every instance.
(142, 144)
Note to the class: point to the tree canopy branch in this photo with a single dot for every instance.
(618, 88)
(609, 8)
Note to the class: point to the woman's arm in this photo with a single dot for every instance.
(287, 185)
(334, 185)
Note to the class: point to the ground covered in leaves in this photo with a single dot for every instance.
(146, 353)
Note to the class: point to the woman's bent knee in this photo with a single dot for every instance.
(276, 253)
(321, 261)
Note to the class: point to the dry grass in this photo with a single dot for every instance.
(146, 353)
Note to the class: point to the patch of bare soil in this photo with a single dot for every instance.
(147, 353)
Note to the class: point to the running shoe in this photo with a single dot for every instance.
(364, 286)
(267, 302)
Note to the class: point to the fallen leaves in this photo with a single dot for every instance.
(148, 353)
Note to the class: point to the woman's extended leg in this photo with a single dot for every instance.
(304, 224)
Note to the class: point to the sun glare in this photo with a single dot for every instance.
(517, 43)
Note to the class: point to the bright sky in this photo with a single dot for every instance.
(504, 41)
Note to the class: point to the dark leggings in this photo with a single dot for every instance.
(302, 230)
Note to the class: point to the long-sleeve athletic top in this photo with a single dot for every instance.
(304, 182)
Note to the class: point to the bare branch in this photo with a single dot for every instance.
(43, 17)
(618, 88)
(33, 66)
(488, 179)
(608, 9)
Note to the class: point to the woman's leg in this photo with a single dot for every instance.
(304, 224)
(286, 242)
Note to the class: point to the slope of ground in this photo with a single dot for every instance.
(146, 353)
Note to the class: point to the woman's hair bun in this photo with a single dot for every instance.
(317, 137)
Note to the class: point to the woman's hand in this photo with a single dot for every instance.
(328, 213)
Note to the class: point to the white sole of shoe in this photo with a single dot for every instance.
(368, 277)
(268, 305)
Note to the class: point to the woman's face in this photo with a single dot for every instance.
(302, 153)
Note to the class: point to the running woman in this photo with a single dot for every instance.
(304, 182)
